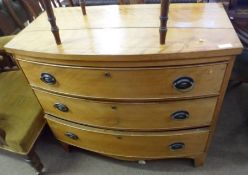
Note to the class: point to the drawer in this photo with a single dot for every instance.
(127, 83)
(130, 144)
(131, 116)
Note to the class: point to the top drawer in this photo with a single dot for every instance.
(127, 83)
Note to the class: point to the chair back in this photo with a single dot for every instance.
(234, 4)
(238, 13)
(7, 24)
(24, 11)
(17, 11)
(33, 7)
(121, 2)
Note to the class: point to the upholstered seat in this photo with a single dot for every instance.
(4, 40)
(20, 113)
(21, 116)
(5, 58)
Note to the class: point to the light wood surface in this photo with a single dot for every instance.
(143, 145)
(131, 116)
(135, 83)
(113, 16)
(104, 44)
(192, 34)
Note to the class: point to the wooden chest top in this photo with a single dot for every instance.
(130, 33)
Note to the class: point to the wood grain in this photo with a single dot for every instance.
(195, 31)
(130, 116)
(135, 83)
(211, 16)
(143, 145)
(120, 45)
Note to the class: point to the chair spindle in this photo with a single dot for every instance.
(71, 4)
(52, 20)
(163, 20)
(55, 30)
(82, 4)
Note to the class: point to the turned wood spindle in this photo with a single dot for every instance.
(125, 2)
(163, 20)
(59, 3)
(122, 2)
(52, 20)
(82, 4)
(71, 4)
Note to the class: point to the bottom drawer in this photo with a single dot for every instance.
(143, 145)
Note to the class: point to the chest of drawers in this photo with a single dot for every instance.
(112, 89)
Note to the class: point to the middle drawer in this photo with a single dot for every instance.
(130, 116)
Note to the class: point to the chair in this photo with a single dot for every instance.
(21, 117)
(17, 12)
(237, 11)
(15, 15)
(33, 8)
(7, 24)
(6, 62)
(7, 27)
(25, 11)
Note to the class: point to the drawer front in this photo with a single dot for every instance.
(130, 83)
(132, 116)
(130, 144)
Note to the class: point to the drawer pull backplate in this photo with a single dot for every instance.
(71, 135)
(177, 146)
(47, 78)
(61, 107)
(180, 115)
(183, 83)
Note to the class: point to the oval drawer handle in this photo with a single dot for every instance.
(71, 135)
(180, 115)
(177, 146)
(47, 78)
(183, 83)
(61, 107)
